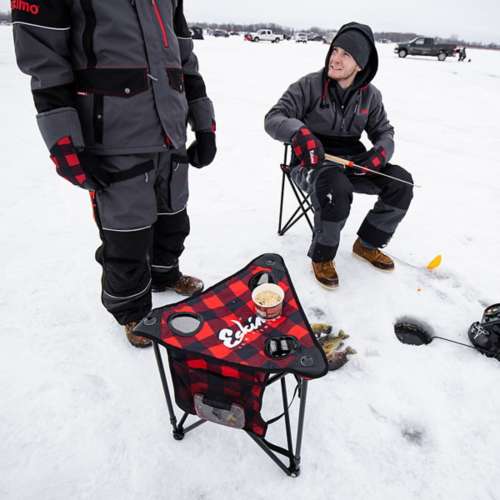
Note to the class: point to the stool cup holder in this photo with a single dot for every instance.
(281, 347)
(185, 324)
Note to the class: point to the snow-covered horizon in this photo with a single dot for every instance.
(82, 413)
(475, 22)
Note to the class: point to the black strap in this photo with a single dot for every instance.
(275, 419)
(136, 170)
(92, 167)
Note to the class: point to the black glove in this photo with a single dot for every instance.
(202, 151)
(374, 159)
(68, 165)
(308, 148)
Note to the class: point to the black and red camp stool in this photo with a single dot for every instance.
(222, 357)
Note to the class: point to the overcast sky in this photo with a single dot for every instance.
(478, 21)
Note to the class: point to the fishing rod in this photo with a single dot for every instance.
(351, 164)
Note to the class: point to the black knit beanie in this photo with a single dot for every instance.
(356, 44)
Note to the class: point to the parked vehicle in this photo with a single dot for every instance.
(196, 32)
(316, 38)
(220, 33)
(264, 36)
(422, 46)
(300, 37)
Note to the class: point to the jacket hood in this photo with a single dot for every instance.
(365, 76)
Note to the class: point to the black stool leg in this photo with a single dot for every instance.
(284, 167)
(282, 201)
(303, 203)
(303, 199)
(300, 424)
(178, 432)
(271, 449)
(262, 444)
(287, 417)
(304, 206)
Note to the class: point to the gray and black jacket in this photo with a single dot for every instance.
(314, 102)
(119, 77)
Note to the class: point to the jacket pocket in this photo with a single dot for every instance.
(119, 82)
(176, 79)
(178, 182)
(117, 110)
(173, 187)
(129, 201)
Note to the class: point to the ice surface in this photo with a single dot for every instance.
(82, 413)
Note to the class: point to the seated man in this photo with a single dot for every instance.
(328, 111)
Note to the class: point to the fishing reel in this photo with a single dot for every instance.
(485, 334)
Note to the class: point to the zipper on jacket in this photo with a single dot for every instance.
(356, 108)
(333, 107)
(160, 23)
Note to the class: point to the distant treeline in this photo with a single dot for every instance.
(393, 36)
(277, 28)
(249, 28)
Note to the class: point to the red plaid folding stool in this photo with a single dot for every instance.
(222, 356)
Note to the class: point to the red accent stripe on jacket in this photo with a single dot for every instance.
(160, 23)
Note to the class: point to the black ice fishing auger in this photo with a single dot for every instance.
(484, 335)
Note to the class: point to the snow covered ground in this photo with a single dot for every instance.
(82, 413)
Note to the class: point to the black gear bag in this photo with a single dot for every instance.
(485, 334)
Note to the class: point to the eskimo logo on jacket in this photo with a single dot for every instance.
(25, 7)
(45, 13)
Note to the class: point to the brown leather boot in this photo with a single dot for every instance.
(325, 274)
(136, 340)
(185, 285)
(373, 255)
(188, 285)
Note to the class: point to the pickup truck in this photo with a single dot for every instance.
(264, 36)
(422, 46)
(301, 37)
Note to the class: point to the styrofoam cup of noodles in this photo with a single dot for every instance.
(268, 300)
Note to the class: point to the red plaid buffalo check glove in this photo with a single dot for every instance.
(375, 159)
(68, 166)
(307, 148)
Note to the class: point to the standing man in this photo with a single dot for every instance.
(328, 111)
(115, 84)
